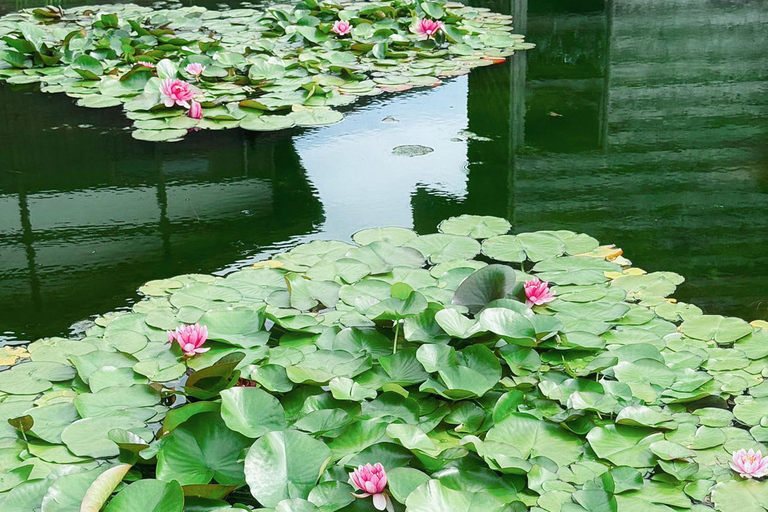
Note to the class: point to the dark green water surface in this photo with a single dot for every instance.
(641, 122)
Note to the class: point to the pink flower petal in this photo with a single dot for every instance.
(379, 501)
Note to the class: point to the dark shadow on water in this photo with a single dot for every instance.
(88, 213)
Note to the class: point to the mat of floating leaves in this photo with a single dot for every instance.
(191, 68)
(471, 369)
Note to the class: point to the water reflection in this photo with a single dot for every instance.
(662, 139)
(87, 213)
(639, 123)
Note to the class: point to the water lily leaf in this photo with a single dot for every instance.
(571, 270)
(504, 248)
(58, 350)
(754, 346)
(597, 495)
(90, 362)
(662, 494)
(520, 359)
(510, 325)
(166, 69)
(209, 381)
(343, 388)
(648, 286)
(167, 135)
(575, 243)
(411, 150)
(200, 449)
(14, 477)
(413, 438)
(740, 496)
(124, 400)
(68, 491)
(642, 416)
(296, 504)
(267, 123)
(667, 450)
(332, 495)
(537, 438)
(323, 421)
(88, 67)
(323, 365)
(395, 309)
(110, 376)
(422, 328)
(439, 247)
(393, 235)
(483, 286)
(99, 101)
(26, 496)
(316, 117)
(305, 294)
(646, 371)
(457, 325)
(148, 496)
(722, 330)
(89, 437)
(516, 248)
(241, 327)
(383, 257)
(176, 417)
(751, 411)
(271, 377)
(432, 496)
(475, 226)
(284, 465)
(624, 445)
(251, 411)
(713, 417)
(403, 367)
(626, 478)
(32, 378)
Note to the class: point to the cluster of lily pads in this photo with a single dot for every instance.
(465, 370)
(290, 65)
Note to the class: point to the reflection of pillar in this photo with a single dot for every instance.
(27, 238)
(488, 148)
(496, 122)
(292, 190)
(517, 71)
(496, 111)
(162, 202)
(610, 10)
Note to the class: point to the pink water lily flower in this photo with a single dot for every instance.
(537, 292)
(176, 92)
(372, 480)
(195, 110)
(146, 64)
(190, 338)
(342, 27)
(750, 464)
(428, 27)
(195, 69)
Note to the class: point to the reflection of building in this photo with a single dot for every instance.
(83, 216)
(641, 122)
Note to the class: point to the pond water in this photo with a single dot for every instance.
(643, 123)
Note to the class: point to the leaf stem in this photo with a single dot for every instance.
(397, 331)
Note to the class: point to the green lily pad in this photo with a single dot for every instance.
(476, 226)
